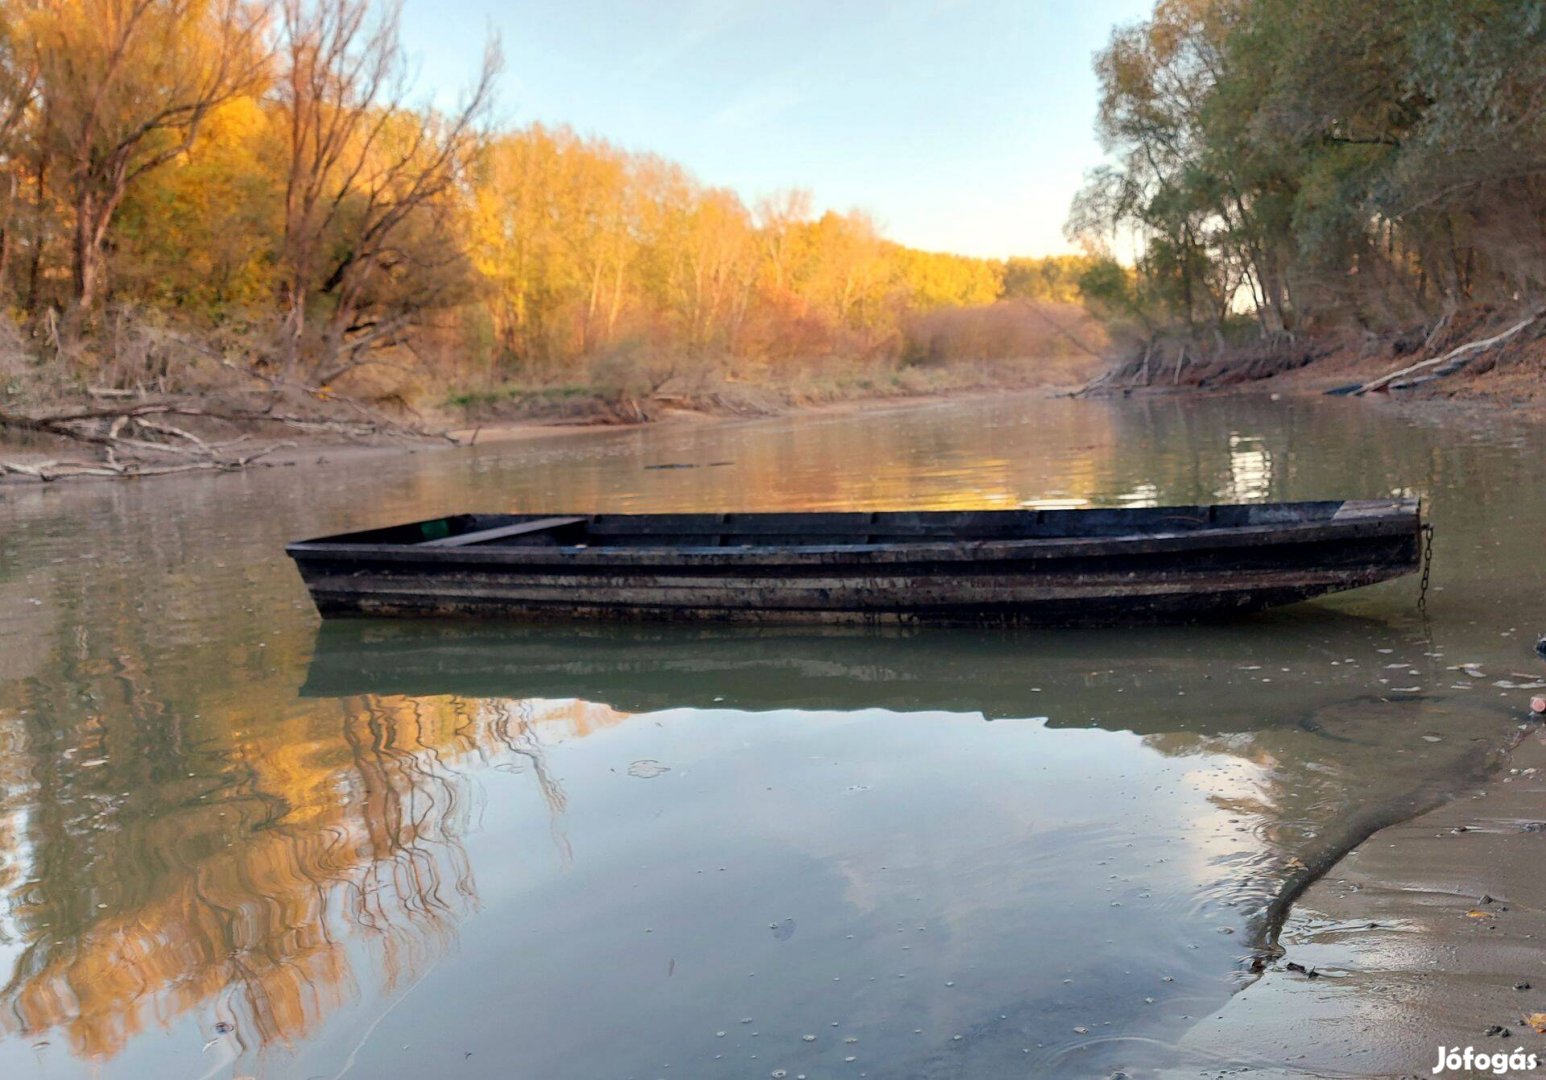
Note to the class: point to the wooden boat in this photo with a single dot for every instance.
(1026, 567)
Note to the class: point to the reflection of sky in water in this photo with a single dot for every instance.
(203, 874)
(1055, 502)
(1141, 496)
(1250, 470)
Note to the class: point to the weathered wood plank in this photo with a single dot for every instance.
(483, 536)
(894, 593)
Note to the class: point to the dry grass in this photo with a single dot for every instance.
(1006, 330)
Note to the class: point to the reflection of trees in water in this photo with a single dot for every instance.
(514, 725)
(255, 865)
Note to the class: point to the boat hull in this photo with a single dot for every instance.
(1145, 575)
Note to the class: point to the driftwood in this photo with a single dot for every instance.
(142, 439)
(1460, 355)
(47, 471)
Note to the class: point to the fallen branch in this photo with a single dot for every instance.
(49, 471)
(69, 424)
(168, 429)
(52, 470)
(1454, 354)
(138, 437)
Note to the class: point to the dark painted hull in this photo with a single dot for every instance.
(994, 567)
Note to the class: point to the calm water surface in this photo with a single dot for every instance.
(234, 843)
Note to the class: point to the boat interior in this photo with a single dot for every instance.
(827, 529)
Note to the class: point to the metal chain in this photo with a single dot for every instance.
(1422, 595)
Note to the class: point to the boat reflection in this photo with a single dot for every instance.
(1140, 680)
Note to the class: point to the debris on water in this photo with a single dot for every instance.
(807, 1038)
(1538, 705)
(1502, 1032)
(1297, 967)
(647, 769)
(1521, 986)
(1537, 1022)
(1081, 1031)
(783, 931)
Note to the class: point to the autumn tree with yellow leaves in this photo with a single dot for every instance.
(262, 175)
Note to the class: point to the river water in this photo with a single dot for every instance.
(235, 843)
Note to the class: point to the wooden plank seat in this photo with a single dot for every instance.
(484, 536)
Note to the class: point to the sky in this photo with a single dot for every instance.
(960, 125)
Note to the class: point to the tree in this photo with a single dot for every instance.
(19, 63)
(126, 85)
(202, 237)
(1324, 161)
(365, 171)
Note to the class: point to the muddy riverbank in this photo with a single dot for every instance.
(1479, 358)
(27, 452)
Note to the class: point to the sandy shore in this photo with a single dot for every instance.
(1431, 933)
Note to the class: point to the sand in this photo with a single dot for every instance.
(1431, 933)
